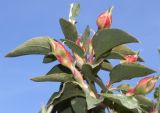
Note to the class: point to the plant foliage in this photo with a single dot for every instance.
(78, 69)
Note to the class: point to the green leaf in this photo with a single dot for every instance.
(127, 71)
(63, 107)
(49, 58)
(69, 90)
(144, 100)
(85, 37)
(114, 55)
(106, 39)
(92, 102)
(59, 69)
(69, 30)
(121, 51)
(106, 66)
(43, 109)
(54, 95)
(87, 72)
(74, 47)
(59, 77)
(128, 102)
(79, 105)
(90, 76)
(66, 109)
(38, 45)
(75, 9)
(157, 92)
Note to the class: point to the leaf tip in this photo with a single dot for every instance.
(34, 79)
(9, 54)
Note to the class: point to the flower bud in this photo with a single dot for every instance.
(104, 20)
(144, 86)
(131, 92)
(131, 58)
(62, 55)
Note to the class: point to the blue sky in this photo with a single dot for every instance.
(21, 20)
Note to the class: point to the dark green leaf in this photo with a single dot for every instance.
(38, 45)
(79, 105)
(49, 58)
(90, 76)
(74, 47)
(92, 102)
(69, 90)
(99, 110)
(64, 107)
(157, 93)
(69, 30)
(58, 77)
(87, 72)
(120, 52)
(67, 109)
(128, 102)
(59, 69)
(75, 9)
(54, 95)
(106, 39)
(127, 71)
(114, 55)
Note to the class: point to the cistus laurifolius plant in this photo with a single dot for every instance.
(78, 69)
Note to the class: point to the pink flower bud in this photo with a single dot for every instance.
(131, 58)
(60, 52)
(104, 20)
(130, 92)
(144, 86)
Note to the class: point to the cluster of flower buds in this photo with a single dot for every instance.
(66, 59)
(144, 86)
(104, 20)
(89, 52)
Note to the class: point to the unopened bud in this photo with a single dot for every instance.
(104, 20)
(131, 58)
(144, 86)
(60, 52)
